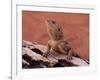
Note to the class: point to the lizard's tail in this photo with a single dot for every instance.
(78, 56)
(75, 54)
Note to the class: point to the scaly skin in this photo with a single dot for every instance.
(57, 42)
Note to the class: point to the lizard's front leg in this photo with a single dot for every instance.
(48, 50)
(69, 55)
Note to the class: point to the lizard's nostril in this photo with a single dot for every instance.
(48, 20)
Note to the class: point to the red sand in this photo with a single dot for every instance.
(75, 27)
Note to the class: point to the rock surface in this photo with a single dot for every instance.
(32, 57)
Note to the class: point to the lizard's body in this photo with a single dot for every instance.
(59, 46)
(57, 42)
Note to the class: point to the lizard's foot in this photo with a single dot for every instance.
(46, 54)
(69, 58)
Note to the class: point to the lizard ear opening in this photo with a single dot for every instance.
(53, 22)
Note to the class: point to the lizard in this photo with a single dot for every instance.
(57, 42)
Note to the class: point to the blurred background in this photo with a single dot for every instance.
(75, 27)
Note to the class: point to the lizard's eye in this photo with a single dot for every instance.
(53, 22)
(58, 29)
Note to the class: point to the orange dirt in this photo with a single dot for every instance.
(75, 27)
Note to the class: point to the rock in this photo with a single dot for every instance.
(32, 57)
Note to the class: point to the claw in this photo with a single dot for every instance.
(69, 58)
(46, 54)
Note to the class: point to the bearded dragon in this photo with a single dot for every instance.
(57, 41)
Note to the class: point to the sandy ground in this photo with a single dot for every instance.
(75, 27)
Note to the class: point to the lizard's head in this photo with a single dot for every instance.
(54, 30)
